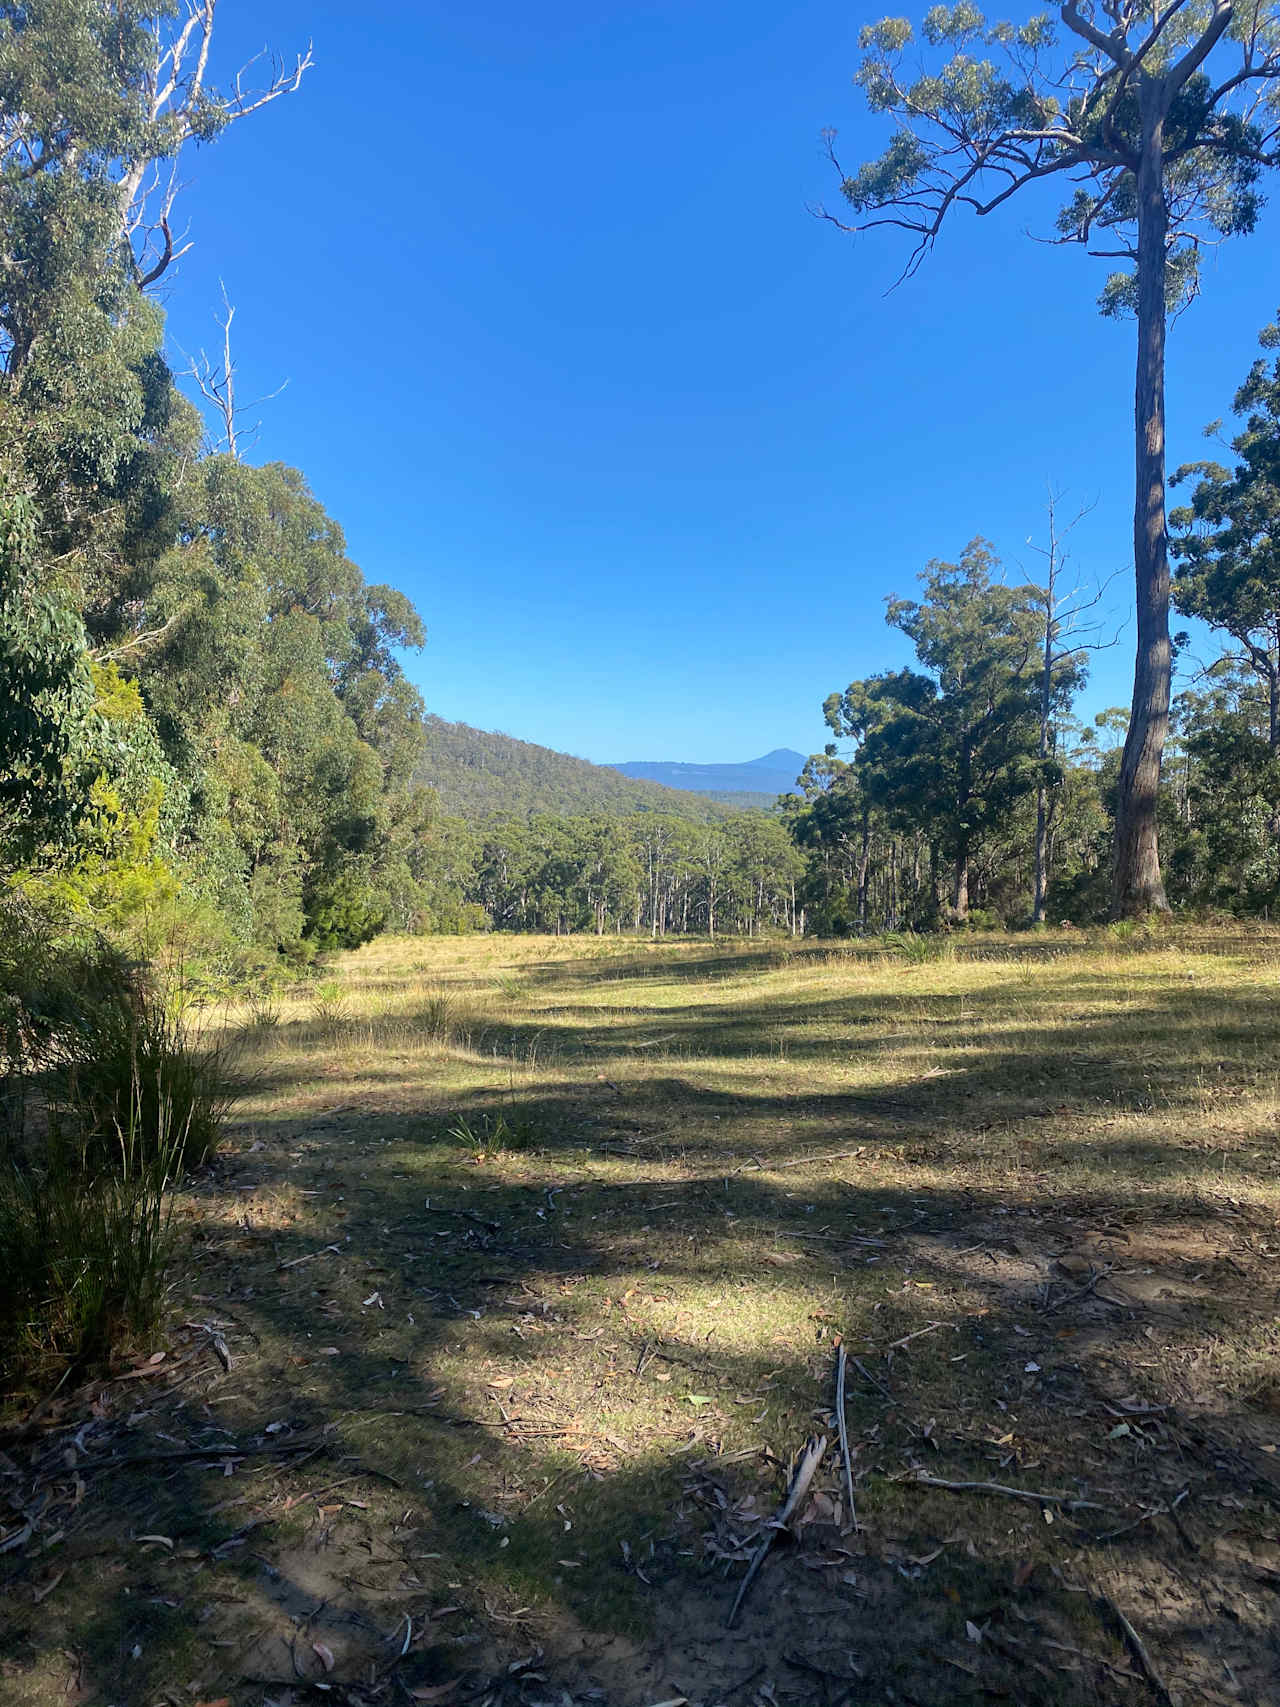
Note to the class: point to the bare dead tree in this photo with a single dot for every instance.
(1067, 636)
(215, 380)
(182, 106)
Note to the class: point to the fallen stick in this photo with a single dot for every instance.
(1067, 1501)
(919, 1334)
(193, 1455)
(1137, 1647)
(813, 1455)
(798, 1161)
(465, 1215)
(294, 1262)
(1093, 1659)
(842, 1430)
(1081, 1292)
(862, 1369)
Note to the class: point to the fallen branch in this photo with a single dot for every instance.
(1067, 1502)
(1093, 1659)
(194, 1454)
(1137, 1647)
(799, 1161)
(919, 1334)
(465, 1215)
(1088, 1290)
(842, 1430)
(862, 1369)
(804, 1474)
(294, 1262)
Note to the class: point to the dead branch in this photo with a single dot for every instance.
(1138, 1649)
(179, 107)
(1066, 1502)
(842, 1428)
(813, 1455)
(215, 380)
(862, 1369)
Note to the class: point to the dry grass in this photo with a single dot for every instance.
(546, 1246)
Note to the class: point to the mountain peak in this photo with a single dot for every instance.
(771, 774)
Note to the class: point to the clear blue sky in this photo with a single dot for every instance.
(645, 442)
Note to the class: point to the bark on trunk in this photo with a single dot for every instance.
(1046, 708)
(1136, 884)
(960, 888)
(864, 868)
(1042, 855)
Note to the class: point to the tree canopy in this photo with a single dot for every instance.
(1159, 124)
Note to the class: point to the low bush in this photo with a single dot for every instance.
(497, 1134)
(84, 1248)
(105, 1096)
(144, 1074)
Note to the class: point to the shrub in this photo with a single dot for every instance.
(332, 1009)
(105, 1095)
(143, 1079)
(496, 1134)
(436, 1017)
(84, 1247)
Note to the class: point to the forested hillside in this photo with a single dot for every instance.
(475, 772)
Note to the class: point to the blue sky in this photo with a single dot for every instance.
(573, 365)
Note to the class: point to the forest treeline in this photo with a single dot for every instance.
(210, 746)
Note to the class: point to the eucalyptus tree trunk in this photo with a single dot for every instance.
(1136, 884)
(864, 867)
(1042, 750)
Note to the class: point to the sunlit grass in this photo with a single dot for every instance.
(577, 1215)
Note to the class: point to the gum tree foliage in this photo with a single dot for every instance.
(1158, 121)
(46, 700)
(1228, 537)
(949, 749)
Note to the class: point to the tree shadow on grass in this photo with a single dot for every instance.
(484, 1347)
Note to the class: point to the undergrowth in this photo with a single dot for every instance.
(106, 1094)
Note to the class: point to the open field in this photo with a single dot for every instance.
(530, 1259)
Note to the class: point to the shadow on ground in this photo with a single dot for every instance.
(523, 1412)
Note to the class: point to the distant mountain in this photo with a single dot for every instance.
(765, 777)
(477, 773)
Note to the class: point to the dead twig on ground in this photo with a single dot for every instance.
(842, 1431)
(465, 1215)
(862, 1369)
(1138, 1649)
(1080, 1293)
(1092, 1658)
(813, 1455)
(1065, 1502)
(919, 1334)
(1188, 1539)
(296, 1262)
(799, 1161)
(194, 1454)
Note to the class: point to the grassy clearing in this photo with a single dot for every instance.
(538, 1251)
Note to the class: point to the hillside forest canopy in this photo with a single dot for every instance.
(211, 748)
